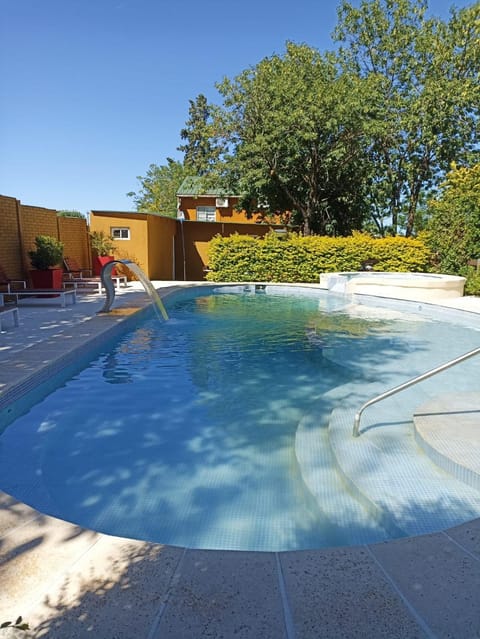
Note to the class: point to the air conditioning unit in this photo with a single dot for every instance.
(221, 202)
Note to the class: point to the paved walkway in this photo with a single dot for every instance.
(68, 582)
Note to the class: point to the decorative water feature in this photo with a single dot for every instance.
(106, 277)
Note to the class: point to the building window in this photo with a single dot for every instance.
(206, 214)
(120, 232)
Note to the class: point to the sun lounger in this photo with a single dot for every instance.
(47, 295)
(6, 311)
(94, 283)
(71, 269)
(82, 279)
(6, 284)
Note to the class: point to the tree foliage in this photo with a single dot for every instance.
(202, 147)
(454, 226)
(294, 127)
(424, 95)
(159, 187)
(70, 213)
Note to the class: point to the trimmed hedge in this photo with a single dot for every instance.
(243, 258)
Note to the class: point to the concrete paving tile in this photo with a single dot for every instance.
(32, 555)
(115, 591)
(13, 514)
(468, 536)
(224, 595)
(439, 579)
(342, 594)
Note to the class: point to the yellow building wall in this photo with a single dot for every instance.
(151, 243)
(135, 248)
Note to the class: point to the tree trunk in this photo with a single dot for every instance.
(412, 209)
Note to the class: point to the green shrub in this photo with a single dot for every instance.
(48, 253)
(102, 244)
(472, 285)
(243, 258)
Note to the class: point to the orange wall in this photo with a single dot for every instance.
(228, 214)
(197, 235)
(161, 247)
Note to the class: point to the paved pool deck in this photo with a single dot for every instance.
(68, 582)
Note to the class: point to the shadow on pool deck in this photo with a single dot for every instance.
(70, 582)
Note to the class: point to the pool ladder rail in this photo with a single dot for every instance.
(407, 384)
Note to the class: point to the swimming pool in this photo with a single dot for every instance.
(184, 432)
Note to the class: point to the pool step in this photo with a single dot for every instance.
(353, 522)
(447, 429)
(387, 469)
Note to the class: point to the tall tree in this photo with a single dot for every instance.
(424, 95)
(294, 129)
(159, 188)
(201, 149)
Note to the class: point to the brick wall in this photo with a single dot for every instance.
(10, 243)
(19, 226)
(73, 232)
(34, 221)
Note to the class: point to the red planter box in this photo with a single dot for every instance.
(100, 261)
(50, 278)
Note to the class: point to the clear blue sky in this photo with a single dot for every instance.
(94, 91)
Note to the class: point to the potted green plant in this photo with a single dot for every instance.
(46, 261)
(102, 247)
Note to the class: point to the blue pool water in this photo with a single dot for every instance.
(184, 432)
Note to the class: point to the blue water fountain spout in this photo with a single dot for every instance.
(106, 277)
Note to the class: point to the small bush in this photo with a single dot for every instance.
(48, 253)
(472, 285)
(102, 244)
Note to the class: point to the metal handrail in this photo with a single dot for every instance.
(411, 382)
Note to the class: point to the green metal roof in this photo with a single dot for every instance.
(192, 187)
